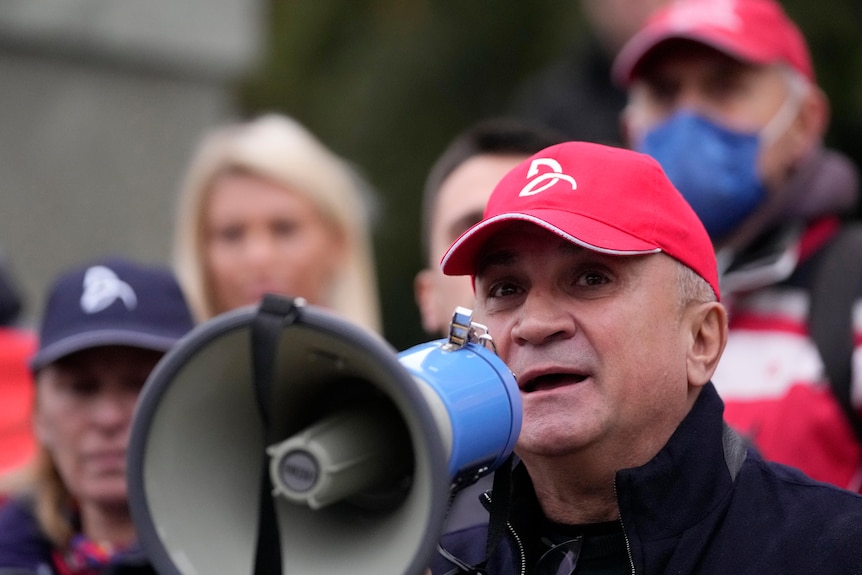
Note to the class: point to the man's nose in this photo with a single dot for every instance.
(692, 98)
(541, 320)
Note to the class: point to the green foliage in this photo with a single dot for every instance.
(387, 84)
(832, 28)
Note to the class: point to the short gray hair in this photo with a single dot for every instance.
(691, 288)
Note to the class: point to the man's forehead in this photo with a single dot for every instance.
(483, 170)
(465, 192)
(516, 241)
(459, 222)
(676, 54)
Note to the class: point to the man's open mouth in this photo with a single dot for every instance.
(551, 381)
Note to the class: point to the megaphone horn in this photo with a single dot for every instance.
(282, 438)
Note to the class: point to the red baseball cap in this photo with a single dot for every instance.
(607, 199)
(754, 31)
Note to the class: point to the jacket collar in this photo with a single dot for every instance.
(657, 501)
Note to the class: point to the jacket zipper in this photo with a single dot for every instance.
(522, 555)
(520, 544)
(625, 535)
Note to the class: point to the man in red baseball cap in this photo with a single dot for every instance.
(723, 94)
(599, 286)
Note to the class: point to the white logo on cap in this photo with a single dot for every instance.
(712, 13)
(102, 287)
(549, 178)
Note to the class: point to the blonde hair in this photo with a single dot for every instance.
(53, 505)
(281, 150)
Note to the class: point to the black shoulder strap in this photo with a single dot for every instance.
(274, 313)
(837, 283)
(500, 503)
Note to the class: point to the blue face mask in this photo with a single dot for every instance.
(714, 168)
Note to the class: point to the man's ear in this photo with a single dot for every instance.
(626, 127)
(811, 124)
(423, 293)
(708, 338)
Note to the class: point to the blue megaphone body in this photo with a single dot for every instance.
(478, 392)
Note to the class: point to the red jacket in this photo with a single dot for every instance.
(17, 444)
(772, 379)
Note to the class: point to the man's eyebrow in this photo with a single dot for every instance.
(495, 258)
(566, 247)
(508, 257)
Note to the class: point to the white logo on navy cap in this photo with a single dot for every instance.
(555, 175)
(102, 287)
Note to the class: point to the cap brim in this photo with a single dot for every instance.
(83, 341)
(637, 50)
(593, 235)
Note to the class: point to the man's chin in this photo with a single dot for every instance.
(550, 440)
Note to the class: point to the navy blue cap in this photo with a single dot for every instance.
(112, 302)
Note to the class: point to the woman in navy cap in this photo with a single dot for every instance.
(104, 328)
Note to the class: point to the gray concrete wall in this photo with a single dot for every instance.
(101, 104)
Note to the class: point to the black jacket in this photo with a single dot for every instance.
(705, 504)
(24, 549)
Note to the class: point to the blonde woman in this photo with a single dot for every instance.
(266, 208)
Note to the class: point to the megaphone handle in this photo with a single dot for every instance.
(273, 314)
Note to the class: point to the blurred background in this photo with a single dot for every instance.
(103, 101)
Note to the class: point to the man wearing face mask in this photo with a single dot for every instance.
(723, 94)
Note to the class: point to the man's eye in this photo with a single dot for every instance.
(725, 91)
(663, 93)
(503, 290)
(592, 279)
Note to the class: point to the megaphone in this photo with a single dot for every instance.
(283, 439)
